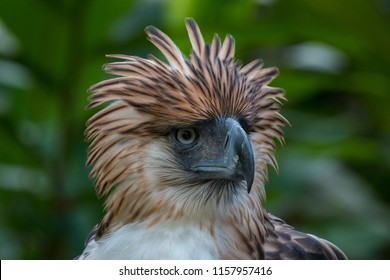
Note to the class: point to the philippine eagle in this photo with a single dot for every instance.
(180, 151)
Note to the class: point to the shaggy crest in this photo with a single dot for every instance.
(208, 85)
(154, 96)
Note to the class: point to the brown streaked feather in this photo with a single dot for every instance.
(283, 242)
(196, 38)
(215, 48)
(167, 47)
(251, 69)
(227, 49)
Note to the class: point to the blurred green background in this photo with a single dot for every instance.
(334, 60)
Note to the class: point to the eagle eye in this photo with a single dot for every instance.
(186, 136)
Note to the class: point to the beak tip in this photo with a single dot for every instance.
(249, 181)
(248, 188)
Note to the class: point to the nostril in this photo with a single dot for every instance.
(226, 141)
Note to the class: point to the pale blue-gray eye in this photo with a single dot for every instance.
(186, 136)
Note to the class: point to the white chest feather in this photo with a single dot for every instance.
(167, 241)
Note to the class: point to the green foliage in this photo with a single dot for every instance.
(334, 61)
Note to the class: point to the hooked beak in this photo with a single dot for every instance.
(235, 161)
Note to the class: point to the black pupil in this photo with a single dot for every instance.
(187, 135)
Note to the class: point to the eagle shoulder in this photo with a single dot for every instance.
(284, 242)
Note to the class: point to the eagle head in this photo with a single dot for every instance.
(189, 138)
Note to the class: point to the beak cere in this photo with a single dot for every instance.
(234, 161)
